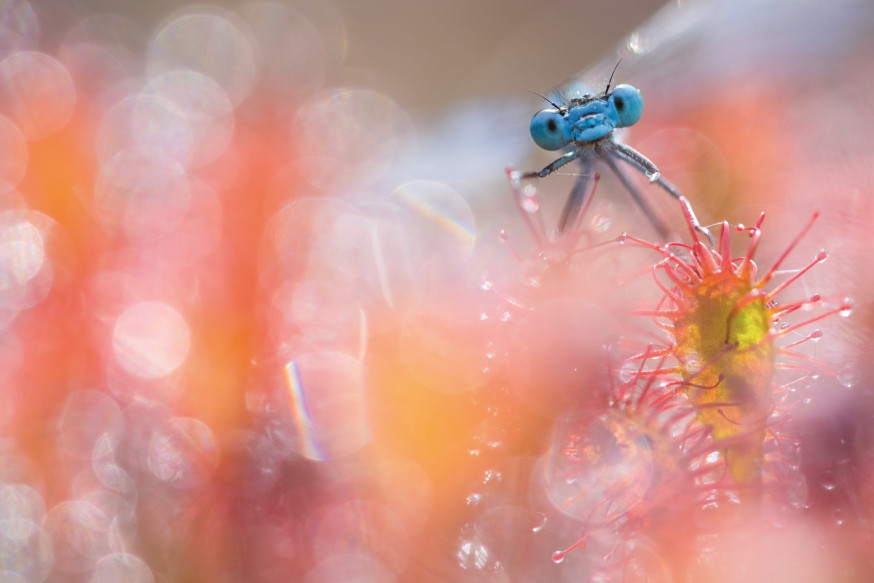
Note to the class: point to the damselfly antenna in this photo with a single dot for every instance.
(609, 81)
(548, 100)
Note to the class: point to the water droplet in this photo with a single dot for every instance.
(487, 285)
(828, 482)
(821, 256)
(815, 298)
(494, 444)
(796, 491)
(713, 457)
(473, 498)
(848, 376)
(846, 307)
(492, 475)
(816, 335)
(503, 236)
(539, 526)
(622, 238)
(473, 452)
(776, 418)
(692, 363)
(530, 203)
(839, 516)
(842, 452)
(628, 372)
(483, 317)
(558, 556)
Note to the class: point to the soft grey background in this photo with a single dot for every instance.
(428, 53)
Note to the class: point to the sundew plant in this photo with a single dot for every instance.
(691, 434)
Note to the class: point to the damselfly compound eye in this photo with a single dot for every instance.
(550, 129)
(627, 105)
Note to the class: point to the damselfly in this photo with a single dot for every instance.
(585, 125)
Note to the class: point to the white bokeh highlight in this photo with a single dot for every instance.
(151, 340)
